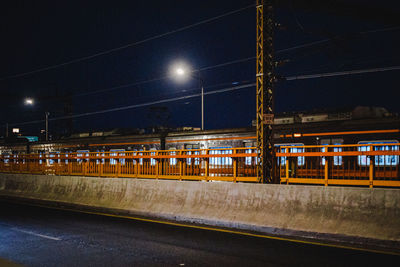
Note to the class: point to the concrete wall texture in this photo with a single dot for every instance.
(281, 209)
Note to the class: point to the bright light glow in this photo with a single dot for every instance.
(297, 135)
(29, 101)
(180, 71)
(15, 130)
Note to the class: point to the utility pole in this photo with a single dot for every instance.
(202, 104)
(265, 80)
(47, 125)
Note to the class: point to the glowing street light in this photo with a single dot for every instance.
(28, 101)
(182, 72)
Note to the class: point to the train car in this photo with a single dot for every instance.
(360, 125)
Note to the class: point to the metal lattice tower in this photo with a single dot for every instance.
(265, 90)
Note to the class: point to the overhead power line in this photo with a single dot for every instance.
(224, 64)
(139, 105)
(322, 41)
(340, 73)
(165, 77)
(223, 90)
(232, 62)
(128, 45)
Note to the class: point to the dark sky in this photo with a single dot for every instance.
(37, 34)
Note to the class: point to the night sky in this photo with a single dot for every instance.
(38, 34)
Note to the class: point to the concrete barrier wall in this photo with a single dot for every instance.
(282, 209)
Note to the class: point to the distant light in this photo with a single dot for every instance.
(180, 71)
(29, 101)
(235, 83)
(15, 130)
(297, 135)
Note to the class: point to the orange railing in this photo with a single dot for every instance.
(357, 165)
(364, 164)
(232, 164)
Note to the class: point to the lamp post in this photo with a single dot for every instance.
(182, 73)
(47, 125)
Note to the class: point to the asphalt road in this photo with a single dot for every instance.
(35, 236)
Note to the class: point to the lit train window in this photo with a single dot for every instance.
(82, 153)
(221, 161)
(100, 161)
(135, 153)
(172, 161)
(50, 161)
(248, 160)
(6, 158)
(52, 155)
(141, 159)
(337, 160)
(117, 152)
(40, 156)
(189, 160)
(384, 160)
(196, 160)
(153, 161)
(300, 160)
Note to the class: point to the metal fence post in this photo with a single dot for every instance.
(101, 167)
(371, 168)
(287, 166)
(180, 168)
(207, 166)
(118, 172)
(235, 167)
(326, 171)
(84, 168)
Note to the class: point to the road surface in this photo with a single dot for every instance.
(37, 236)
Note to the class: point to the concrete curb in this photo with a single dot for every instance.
(335, 213)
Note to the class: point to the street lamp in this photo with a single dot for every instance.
(181, 73)
(29, 101)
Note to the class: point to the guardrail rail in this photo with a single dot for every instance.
(360, 165)
(356, 165)
(231, 164)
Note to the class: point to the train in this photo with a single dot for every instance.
(360, 125)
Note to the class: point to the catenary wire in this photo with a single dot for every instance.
(128, 45)
(139, 105)
(234, 88)
(227, 63)
(340, 73)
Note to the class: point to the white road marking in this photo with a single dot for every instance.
(35, 234)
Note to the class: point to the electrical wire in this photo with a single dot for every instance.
(231, 62)
(322, 41)
(139, 105)
(229, 89)
(165, 77)
(340, 73)
(128, 45)
(228, 63)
